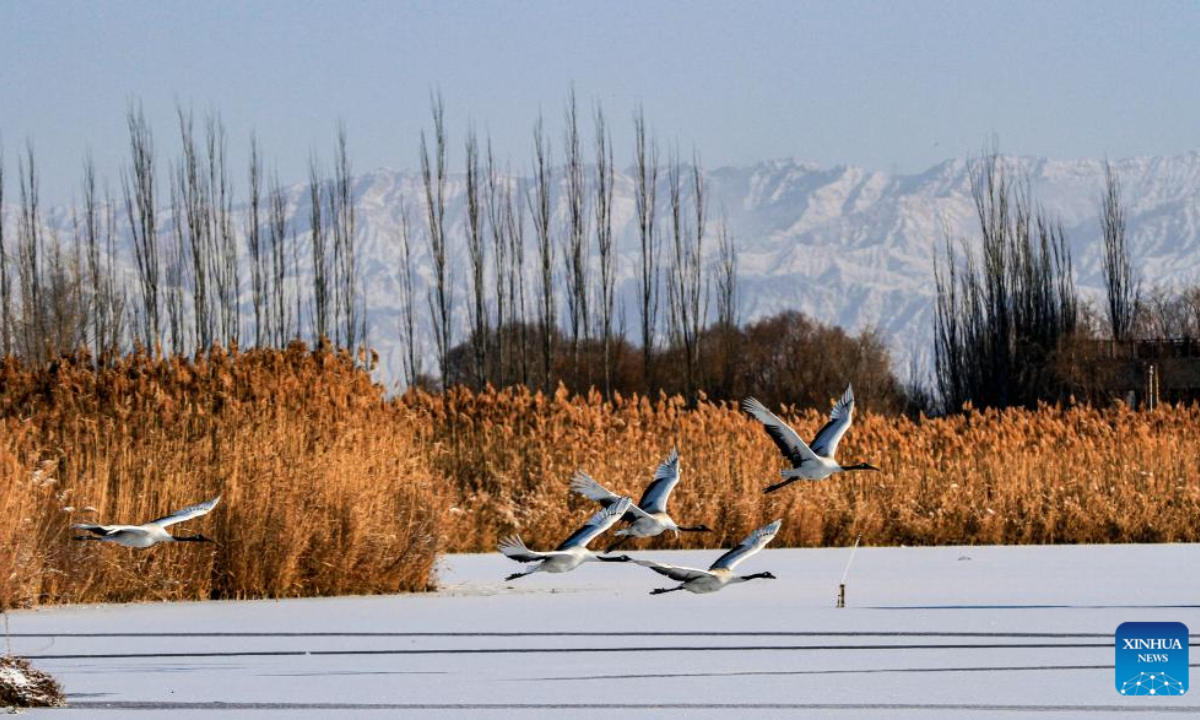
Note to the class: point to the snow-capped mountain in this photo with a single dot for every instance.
(846, 245)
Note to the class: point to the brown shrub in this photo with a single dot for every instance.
(22, 685)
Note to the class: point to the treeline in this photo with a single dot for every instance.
(542, 264)
(1010, 328)
(168, 266)
(189, 291)
(785, 358)
(547, 315)
(535, 266)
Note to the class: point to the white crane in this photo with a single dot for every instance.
(809, 462)
(573, 551)
(153, 532)
(649, 517)
(720, 573)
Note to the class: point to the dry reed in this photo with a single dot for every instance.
(329, 488)
(323, 489)
(1052, 475)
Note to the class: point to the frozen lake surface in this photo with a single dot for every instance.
(946, 632)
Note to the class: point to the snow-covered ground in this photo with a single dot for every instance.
(945, 632)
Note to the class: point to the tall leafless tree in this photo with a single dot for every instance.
(727, 301)
(1119, 283)
(576, 241)
(91, 243)
(6, 309)
(1000, 314)
(408, 320)
(66, 315)
(320, 252)
(539, 200)
(33, 329)
(349, 310)
(514, 222)
(433, 176)
(727, 288)
(53, 315)
(259, 270)
(195, 198)
(500, 245)
(604, 242)
(646, 196)
(476, 255)
(176, 251)
(224, 268)
(277, 235)
(686, 288)
(138, 184)
(297, 289)
(97, 234)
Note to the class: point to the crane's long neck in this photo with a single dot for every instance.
(611, 558)
(856, 466)
(755, 576)
(187, 538)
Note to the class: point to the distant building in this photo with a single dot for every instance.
(1142, 373)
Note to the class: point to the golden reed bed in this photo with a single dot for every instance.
(329, 488)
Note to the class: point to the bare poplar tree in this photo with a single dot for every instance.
(258, 258)
(91, 241)
(727, 301)
(539, 208)
(514, 221)
(225, 269)
(176, 251)
(686, 289)
(64, 305)
(1119, 282)
(117, 298)
(320, 253)
(1000, 313)
(433, 176)
(604, 241)
(646, 196)
(29, 259)
(576, 241)
(500, 247)
(297, 289)
(351, 317)
(195, 198)
(277, 232)
(6, 322)
(408, 323)
(727, 290)
(53, 315)
(476, 254)
(107, 294)
(138, 185)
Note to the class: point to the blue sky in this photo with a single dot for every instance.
(887, 85)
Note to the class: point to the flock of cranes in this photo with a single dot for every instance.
(647, 518)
